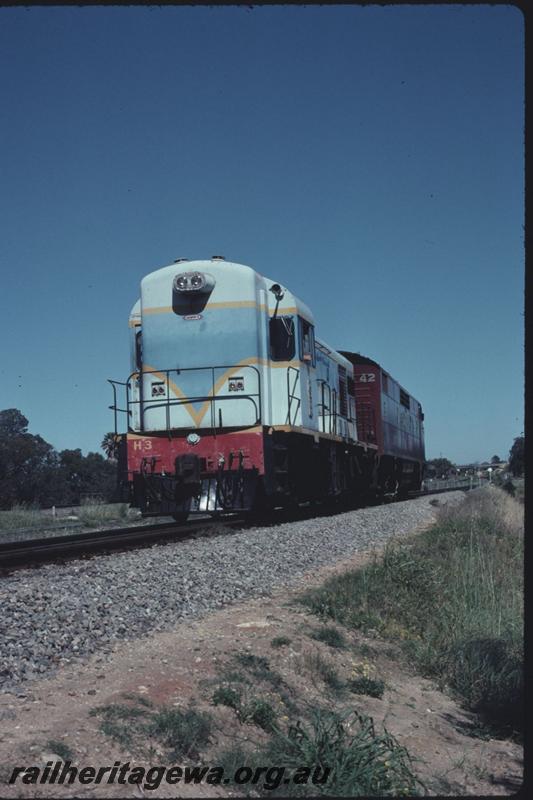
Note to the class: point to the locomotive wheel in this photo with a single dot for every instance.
(181, 517)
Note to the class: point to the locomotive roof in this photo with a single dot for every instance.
(357, 358)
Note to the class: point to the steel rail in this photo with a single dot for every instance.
(47, 548)
(28, 551)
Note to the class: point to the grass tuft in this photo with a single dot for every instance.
(280, 641)
(259, 667)
(256, 711)
(260, 713)
(61, 749)
(138, 698)
(373, 687)
(330, 636)
(322, 668)
(225, 696)
(343, 756)
(183, 732)
(122, 723)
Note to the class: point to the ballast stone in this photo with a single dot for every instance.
(53, 614)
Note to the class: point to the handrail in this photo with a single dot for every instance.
(290, 394)
(167, 402)
(323, 407)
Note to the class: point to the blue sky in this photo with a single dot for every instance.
(369, 158)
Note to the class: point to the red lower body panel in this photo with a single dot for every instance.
(229, 451)
(171, 475)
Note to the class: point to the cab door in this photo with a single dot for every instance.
(308, 380)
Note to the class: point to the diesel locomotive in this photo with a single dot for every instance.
(234, 404)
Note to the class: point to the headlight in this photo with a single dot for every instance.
(193, 282)
(197, 281)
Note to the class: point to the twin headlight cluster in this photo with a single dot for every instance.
(198, 282)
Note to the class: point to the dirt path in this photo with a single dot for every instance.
(179, 668)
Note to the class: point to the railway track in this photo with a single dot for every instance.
(33, 551)
(29, 551)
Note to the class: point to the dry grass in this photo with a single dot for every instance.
(93, 513)
(22, 516)
(454, 596)
(493, 504)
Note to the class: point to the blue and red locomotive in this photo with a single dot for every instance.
(234, 404)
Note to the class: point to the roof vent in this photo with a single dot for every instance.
(217, 258)
(179, 260)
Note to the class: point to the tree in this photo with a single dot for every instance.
(85, 475)
(27, 462)
(439, 466)
(516, 457)
(110, 445)
(32, 471)
(12, 423)
(495, 460)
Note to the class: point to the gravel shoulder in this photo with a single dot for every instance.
(59, 613)
(177, 665)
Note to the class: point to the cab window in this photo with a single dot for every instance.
(282, 346)
(139, 350)
(307, 342)
(343, 392)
